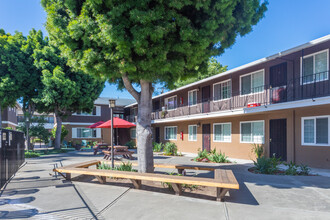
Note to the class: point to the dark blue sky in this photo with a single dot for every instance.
(287, 23)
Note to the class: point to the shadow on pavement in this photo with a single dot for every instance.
(27, 213)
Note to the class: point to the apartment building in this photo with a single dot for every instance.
(281, 101)
(9, 117)
(78, 122)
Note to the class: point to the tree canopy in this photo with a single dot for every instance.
(147, 42)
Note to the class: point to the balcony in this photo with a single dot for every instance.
(309, 87)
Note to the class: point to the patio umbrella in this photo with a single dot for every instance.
(117, 123)
(95, 126)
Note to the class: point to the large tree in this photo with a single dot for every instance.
(147, 41)
(65, 91)
(10, 68)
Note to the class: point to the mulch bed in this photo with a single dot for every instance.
(279, 172)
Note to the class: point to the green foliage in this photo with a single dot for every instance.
(214, 68)
(184, 186)
(304, 170)
(294, 169)
(64, 132)
(170, 149)
(122, 167)
(157, 147)
(36, 129)
(266, 165)
(218, 157)
(172, 38)
(8, 128)
(213, 156)
(31, 154)
(258, 150)
(130, 144)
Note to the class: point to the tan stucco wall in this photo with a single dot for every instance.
(314, 156)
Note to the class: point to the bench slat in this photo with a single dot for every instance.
(150, 177)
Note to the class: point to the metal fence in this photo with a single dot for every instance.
(11, 153)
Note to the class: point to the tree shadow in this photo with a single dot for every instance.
(19, 192)
(27, 213)
(23, 200)
(27, 178)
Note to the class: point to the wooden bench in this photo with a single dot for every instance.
(126, 154)
(180, 167)
(224, 180)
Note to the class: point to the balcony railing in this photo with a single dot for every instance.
(307, 87)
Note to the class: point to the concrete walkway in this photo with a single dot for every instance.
(36, 193)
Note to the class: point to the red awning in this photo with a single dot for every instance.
(96, 124)
(117, 123)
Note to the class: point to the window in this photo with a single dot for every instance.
(192, 132)
(252, 132)
(133, 133)
(170, 133)
(118, 115)
(252, 82)
(315, 130)
(96, 112)
(86, 132)
(192, 97)
(222, 132)
(222, 90)
(314, 67)
(171, 103)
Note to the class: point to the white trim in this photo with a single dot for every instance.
(75, 135)
(222, 123)
(245, 66)
(251, 73)
(289, 105)
(301, 67)
(76, 123)
(195, 125)
(196, 97)
(252, 142)
(175, 135)
(231, 90)
(10, 123)
(303, 130)
(166, 101)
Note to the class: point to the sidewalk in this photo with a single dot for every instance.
(36, 193)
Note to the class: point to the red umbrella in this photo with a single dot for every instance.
(117, 123)
(96, 124)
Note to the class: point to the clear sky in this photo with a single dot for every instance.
(286, 24)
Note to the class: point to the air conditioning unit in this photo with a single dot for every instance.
(254, 104)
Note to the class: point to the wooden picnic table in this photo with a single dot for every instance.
(118, 150)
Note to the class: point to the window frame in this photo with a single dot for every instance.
(247, 74)
(222, 123)
(194, 90)
(231, 88)
(303, 130)
(166, 103)
(252, 142)
(176, 136)
(301, 67)
(195, 125)
(93, 130)
(130, 133)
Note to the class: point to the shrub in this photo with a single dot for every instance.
(202, 156)
(170, 149)
(292, 169)
(31, 154)
(218, 157)
(122, 167)
(258, 150)
(304, 170)
(157, 147)
(185, 186)
(131, 144)
(266, 165)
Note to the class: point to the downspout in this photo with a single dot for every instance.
(294, 136)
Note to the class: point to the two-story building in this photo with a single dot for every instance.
(281, 101)
(9, 117)
(78, 122)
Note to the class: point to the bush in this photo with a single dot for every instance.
(202, 156)
(31, 154)
(294, 169)
(218, 157)
(123, 167)
(131, 144)
(170, 149)
(157, 147)
(266, 165)
(258, 150)
(185, 186)
(304, 170)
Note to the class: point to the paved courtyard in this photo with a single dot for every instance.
(36, 193)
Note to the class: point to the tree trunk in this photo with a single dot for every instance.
(143, 129)
(58, 131)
